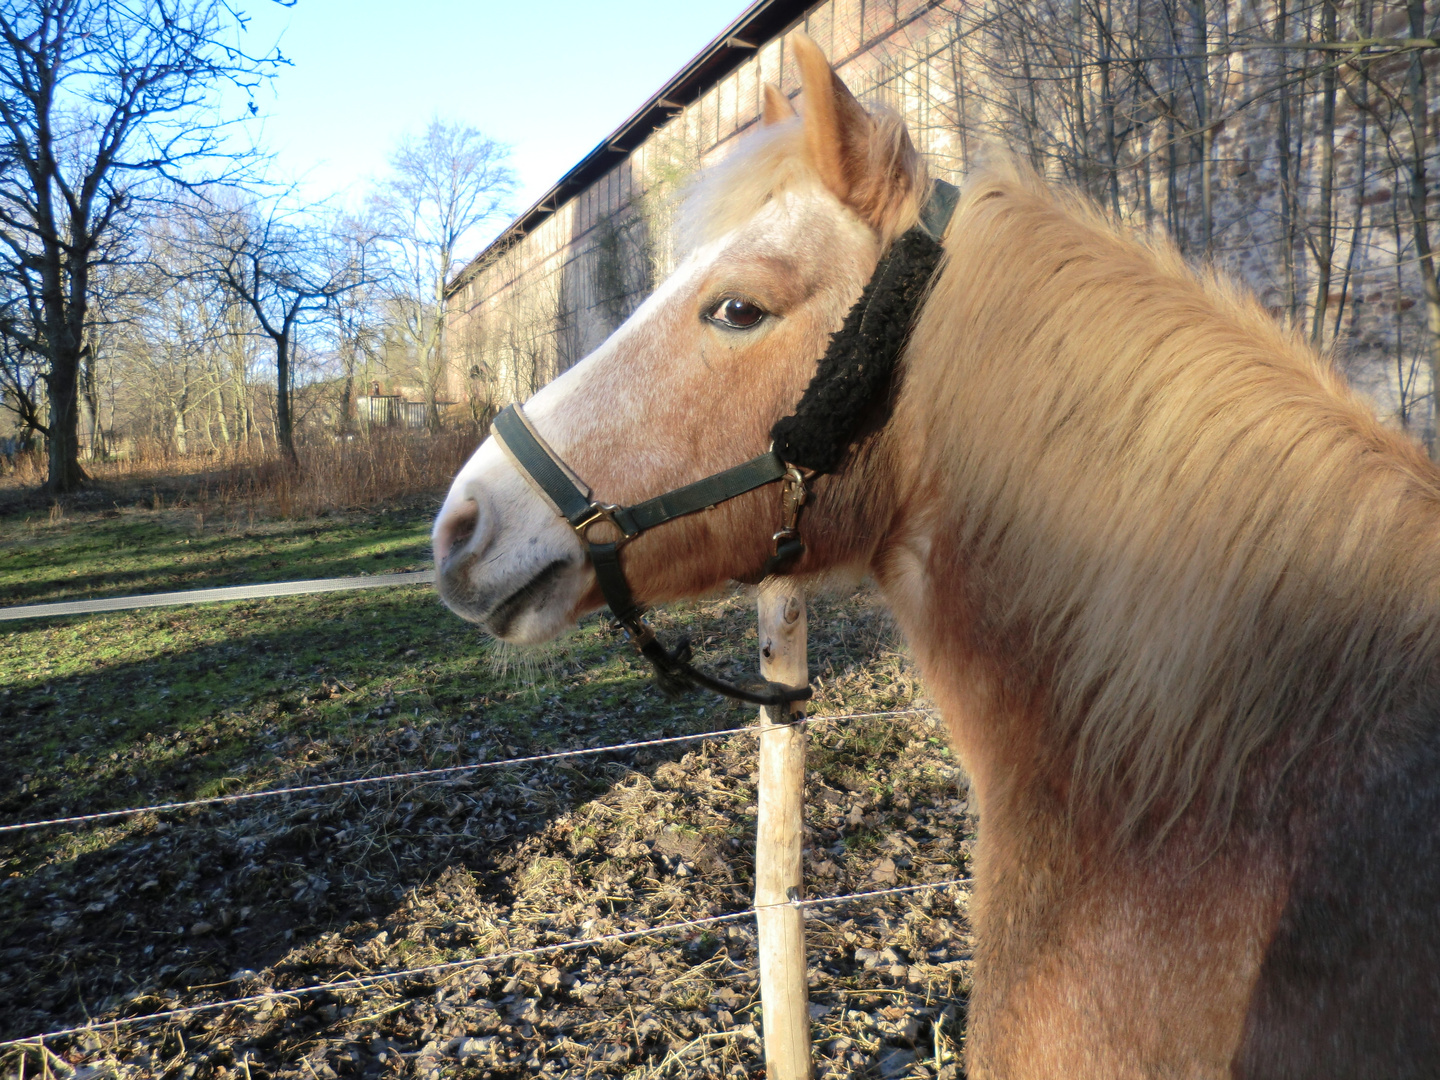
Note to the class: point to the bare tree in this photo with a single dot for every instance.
(1419, 122)
(99, 102)
(21, 376)
(1322, 228)
(287, 272)
(443, 186)
(354, 320)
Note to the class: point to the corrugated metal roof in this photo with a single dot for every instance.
(760, 22)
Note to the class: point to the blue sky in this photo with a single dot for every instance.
(549, 77)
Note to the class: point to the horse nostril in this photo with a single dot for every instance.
(456, 529)
(464, 526)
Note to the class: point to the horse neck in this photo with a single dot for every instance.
(1137, 534)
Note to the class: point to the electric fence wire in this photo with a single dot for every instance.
(361, 982)
(451, 771)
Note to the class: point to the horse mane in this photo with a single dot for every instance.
(1193, 548)
(773, 159)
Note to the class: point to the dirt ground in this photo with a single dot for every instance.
(186, 908)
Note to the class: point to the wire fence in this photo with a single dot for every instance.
(361, 982)
(443, 775)
(453, 772)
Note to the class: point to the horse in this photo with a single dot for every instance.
(1174, 587)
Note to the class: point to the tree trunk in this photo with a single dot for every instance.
(1365, 23)
(347, 397)
(243, 422)
(90, 399)
(1079, 141)
(1145, 178)
(958, 80)
(284, 422)
(64, 338)
(220, 415)
(1178, 232)
(1404, 379)
(63, 383)
(1107, 101)
(1207, 131)
(181, 436)
(1324, 242)
(438, 343)
(1287, 198)
(1419, 210)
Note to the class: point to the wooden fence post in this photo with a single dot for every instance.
(784, 994)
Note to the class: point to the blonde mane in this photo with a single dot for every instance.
(1192, 541)
(1191, 546)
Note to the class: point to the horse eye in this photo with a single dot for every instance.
(737, 314)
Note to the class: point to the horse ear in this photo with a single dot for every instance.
(777, 107)
(837, 127)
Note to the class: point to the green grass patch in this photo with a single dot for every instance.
(132, 708)
(129, 708)
(132, 551)
(103, 711)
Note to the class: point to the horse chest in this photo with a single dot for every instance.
(1136, 970)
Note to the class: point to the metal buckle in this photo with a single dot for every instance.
(637, 630)
(794, 497)
(602, 512)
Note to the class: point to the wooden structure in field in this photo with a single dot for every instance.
(393, 410)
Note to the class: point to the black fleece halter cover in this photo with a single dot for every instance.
(855, 375)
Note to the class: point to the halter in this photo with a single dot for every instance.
(856, 371)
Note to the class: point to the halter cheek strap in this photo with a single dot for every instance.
(571, 498)
(856, 371)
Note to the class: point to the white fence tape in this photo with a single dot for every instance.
(209, 596)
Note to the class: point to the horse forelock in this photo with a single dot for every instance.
(1164, 518)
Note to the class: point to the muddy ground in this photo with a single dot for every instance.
(186, 908)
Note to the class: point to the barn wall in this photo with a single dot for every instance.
(520, 316)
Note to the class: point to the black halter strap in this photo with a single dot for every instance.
(571, 499)
(857, 368)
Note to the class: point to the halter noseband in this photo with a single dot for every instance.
(857, 369)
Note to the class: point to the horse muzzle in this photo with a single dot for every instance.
(501, 559)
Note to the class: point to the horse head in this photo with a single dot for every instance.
(781, 239)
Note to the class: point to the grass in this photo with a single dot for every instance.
(359, 507)
(120, 552)
(131, 708)
(98, 712)
(103, 710)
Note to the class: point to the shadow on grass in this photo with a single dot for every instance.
(269, 695)
(170, 905)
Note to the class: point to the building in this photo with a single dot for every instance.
(569, 269)
(1225, 152)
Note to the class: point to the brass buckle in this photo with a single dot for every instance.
(637, 631)
(601, 512)
(794, 497)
